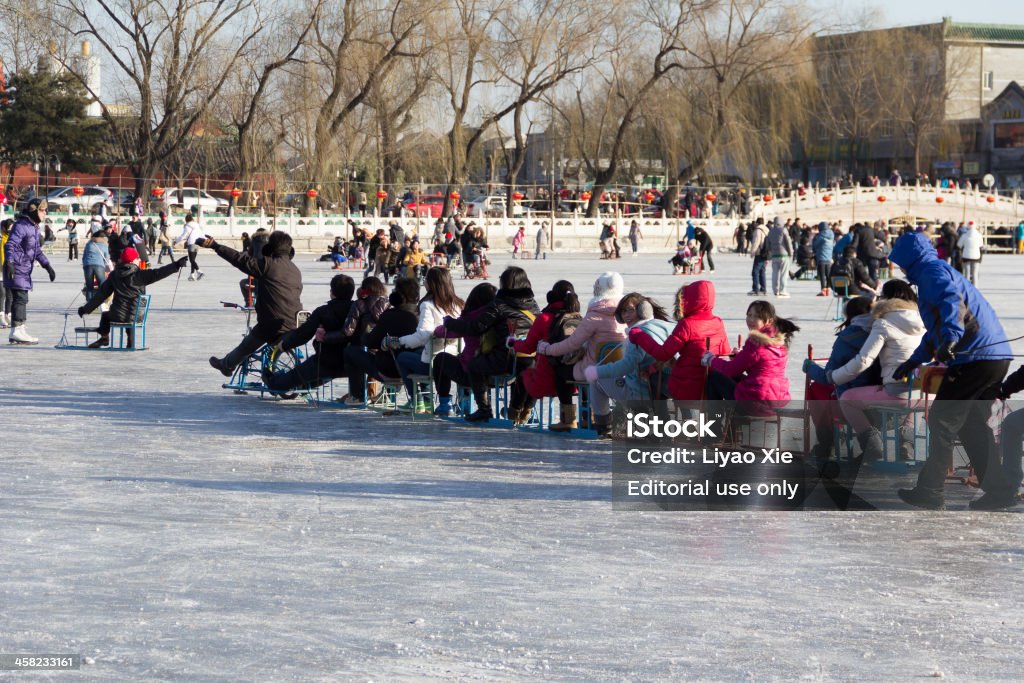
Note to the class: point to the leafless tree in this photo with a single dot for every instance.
(644, 43)
(171, 60)
(742, 58)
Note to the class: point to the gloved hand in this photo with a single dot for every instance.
(52, 272)
(81, 311)
(182, 262)
(707, 359)
(590, 373)
(320, 334)
(206, 242)
(510, 341)
(1003, 393)
(542, 347)
(807, 365)
(945, 353)
(904, 369)
(440, 331)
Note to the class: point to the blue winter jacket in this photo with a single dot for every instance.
(823, 243)
(845, 348)
(951, 308)
(95, 254)
(844, 241)
(635, 359)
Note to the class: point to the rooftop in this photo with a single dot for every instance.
(988, 33)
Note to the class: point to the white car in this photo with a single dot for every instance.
(187, 197)
(65, 197)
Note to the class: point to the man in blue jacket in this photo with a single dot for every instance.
(823, 244)
(964, 332)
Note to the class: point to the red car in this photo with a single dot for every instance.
(431, 206)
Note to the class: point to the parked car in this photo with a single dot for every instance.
(65, 198)
(429, 205)
(187, 197)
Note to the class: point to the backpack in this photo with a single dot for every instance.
(562, 327)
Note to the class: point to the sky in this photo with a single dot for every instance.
(905, 12)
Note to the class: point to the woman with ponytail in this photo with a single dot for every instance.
(756, 375)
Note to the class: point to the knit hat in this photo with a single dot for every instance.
(607, 287)
(129, 254)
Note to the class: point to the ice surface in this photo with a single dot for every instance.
(165, 529)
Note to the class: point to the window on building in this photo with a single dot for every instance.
(988, 80)
(886, 129)
(1008, 135)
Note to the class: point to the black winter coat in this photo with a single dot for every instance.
(394, 322)
(127, 283)
(508, 306)
(278, 289)
(864, 242)
(331, 316)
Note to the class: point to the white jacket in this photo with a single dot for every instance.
(895, 335)
(970, 244)
(189, 234)
(431, 317)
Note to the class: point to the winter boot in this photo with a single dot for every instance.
(218, 364)
(5, 320)
(603, 426)
(923, 498)
(995, 500)
(568, 419)
(482, 414)
(444, 406)
(20, 336)
(100, 343)
(870, 441)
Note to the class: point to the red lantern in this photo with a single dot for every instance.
(827, 198)
(940, 199)
(312, 193)
(517, 196)
(235, 193)
(881, 198)
(710, 196)
(990, 199)
(649, 197)
(158, 192)
(78, 190)
(585, 196)
(767, 199)
(382, 195)
(454, 196)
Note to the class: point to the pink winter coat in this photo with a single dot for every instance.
(598, 326)
(763, 359)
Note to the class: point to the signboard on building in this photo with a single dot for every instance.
(972, 167)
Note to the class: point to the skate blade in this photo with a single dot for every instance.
(21, 343)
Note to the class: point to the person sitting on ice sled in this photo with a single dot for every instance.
(126, 283)
(278, 286)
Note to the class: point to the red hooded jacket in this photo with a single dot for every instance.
(689, 339)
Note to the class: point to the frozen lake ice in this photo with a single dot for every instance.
(164, 529)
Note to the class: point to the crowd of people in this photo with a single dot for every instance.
(858, 255)
(618, 345)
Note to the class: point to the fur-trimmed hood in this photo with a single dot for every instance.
(768, 336)
(903, 315)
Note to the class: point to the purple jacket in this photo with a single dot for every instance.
(23, 251)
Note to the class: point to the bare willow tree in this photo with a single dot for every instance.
(396, 101)
(253, 93)
(540, 43)
(735, 90)
(857, 72)
(171, 60)
(921, 88)
(644, 44)
(355, 44)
